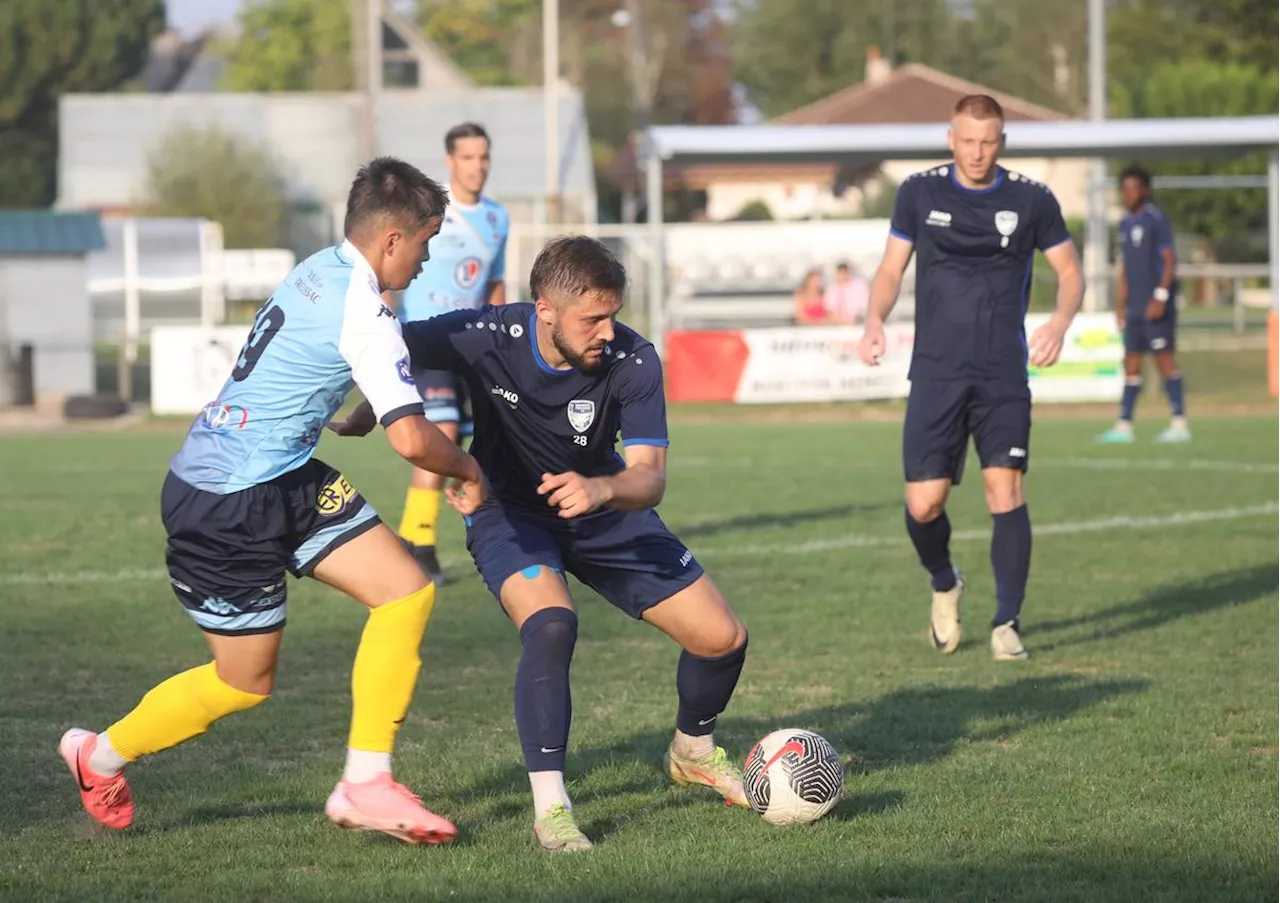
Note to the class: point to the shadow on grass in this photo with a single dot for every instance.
(1163, 604)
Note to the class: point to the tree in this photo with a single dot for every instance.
(479, 35)
(1234, 220)
(215, 175)
(291, 45)
(48, 48)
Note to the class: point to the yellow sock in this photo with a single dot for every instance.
(421, 510)
(175, 711)
(386, 669)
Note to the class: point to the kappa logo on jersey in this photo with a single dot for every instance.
(467, 272)
(938, 218)
(335, 496)
(402, 369)
(582, 413)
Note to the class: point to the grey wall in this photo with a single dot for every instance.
(45, 301)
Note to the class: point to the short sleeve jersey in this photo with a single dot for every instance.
(531, 418)
(1144, 236)
(466, 256)
(974, 253)
(323, 331)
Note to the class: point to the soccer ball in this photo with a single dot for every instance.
(792, 776)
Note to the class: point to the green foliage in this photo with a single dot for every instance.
(479, 35)
(1233, 220)
(291, 45)
(754, 212)
(48, 48)
(212, 174)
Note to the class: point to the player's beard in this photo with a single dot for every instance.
(576, 360)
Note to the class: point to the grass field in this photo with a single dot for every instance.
(1134, 758)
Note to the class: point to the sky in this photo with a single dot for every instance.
(190, 16)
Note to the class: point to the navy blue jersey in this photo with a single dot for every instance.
(1144, 236)
(531, 419)
(974, 252)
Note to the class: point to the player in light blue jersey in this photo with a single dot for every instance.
(465, 272)
(245, 500)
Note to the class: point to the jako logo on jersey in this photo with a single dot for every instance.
(1016, 452)
(511, 398)
(467, 272)
(402, 368)
(582, 413)
(384, 311)
(938, 218)
(686, 558)
(334, 497)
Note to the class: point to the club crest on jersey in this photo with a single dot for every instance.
(467, 272)
(1135, 234)
(403, 371)
(582, 413)
(1006, 222)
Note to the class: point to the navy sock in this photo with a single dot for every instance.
(1173, 388)
(1011, 562)
(704, 686)
(543, 704)
(933, 545)
(1129, 400)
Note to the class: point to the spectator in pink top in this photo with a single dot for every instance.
(846, 297)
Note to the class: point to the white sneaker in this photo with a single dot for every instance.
(944, 620)
(1006, 645)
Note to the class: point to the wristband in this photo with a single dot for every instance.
(1161, 294)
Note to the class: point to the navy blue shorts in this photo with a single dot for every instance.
(629, 557)
(943, 414)
(444, 398)
(1143, 336)
(227, 554)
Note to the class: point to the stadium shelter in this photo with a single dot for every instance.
(863, 144)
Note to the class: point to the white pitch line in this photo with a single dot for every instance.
(1120, 522)
(1139, 464)
(852, 541)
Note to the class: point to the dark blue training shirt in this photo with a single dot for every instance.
(974, 252)
(531, 419)
(1143, 237)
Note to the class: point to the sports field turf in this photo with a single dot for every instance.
(1134, 758)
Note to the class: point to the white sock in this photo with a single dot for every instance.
(1124, 426)
(1178, 423)
(105, 760)
(363, 765)
(548, 789)
(688, 746)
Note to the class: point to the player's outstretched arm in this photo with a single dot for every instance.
(885, 288)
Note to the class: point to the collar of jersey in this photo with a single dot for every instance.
(537, 353)
(990, 188)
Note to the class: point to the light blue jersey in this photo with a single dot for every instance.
(467, 255)
(324, 331)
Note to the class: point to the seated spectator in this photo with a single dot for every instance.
(847, 297)
(810, 308)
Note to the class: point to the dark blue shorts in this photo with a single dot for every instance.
(227, 554)
(1143, 336)
(943, 414)
(629, 557)
(444, 398)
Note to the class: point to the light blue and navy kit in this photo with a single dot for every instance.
(1144, 236)
(533, 419)
(245, 500)
(974, 252)
(467, 256)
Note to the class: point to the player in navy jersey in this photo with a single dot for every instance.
(245, 500)
(974, 228)
(466, 270)
(554, 384)
(1146, 306)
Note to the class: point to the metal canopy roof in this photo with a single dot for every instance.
(870, 143)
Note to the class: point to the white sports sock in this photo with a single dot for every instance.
(1178, 423)
(105, 760)
(363, 765)
(548, 789)
(688, 746)
(1124, 426)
